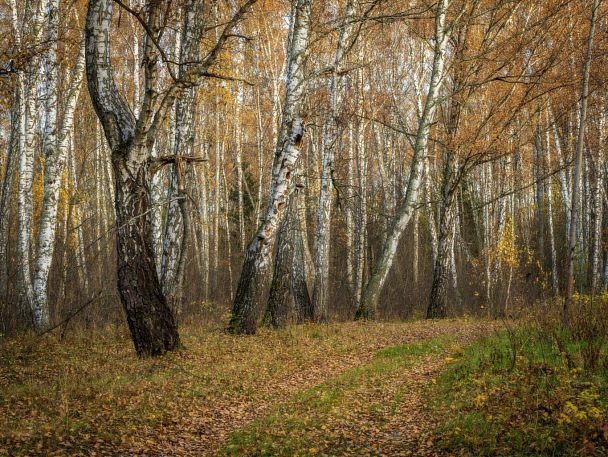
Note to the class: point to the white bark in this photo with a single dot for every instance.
(219, 158)
(55, 151)
(572, 238)
(361, 232)
(416, 247)
(258, 258)
(177, 224)
(26, 170)
(204, 218)
(349, 211)
(554, 270)
(321, 286)
(597, 213)
(369, 301)
(563, 180)
(260, 160)
(239, 172)
(227, 228)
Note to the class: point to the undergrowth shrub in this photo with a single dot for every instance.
(534, 389)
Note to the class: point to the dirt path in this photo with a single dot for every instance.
(205, 430)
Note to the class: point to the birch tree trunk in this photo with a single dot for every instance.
(554, 271)
(24, 199)
(151, 322)
(361, 232)
(595, 208)
(430, 215)
(280, 297)
(416, 246)
(597, 212)
(438, 302)
(8, 185)
(369, 300)
(80, 254)
(26, 173)
(13, 156)
(539, 196)
(219, 160)
(159, 192)
(177, 225)
(349, 212)
(321, 286)
(227, 228)
(572, 242)
(203, 220)
(303, 274)
(563, 179)
(55, 152)
(258, 257)
(289, 288)
(239, 171)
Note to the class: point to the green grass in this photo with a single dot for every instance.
(531, 391)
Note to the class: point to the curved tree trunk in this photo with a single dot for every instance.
(288, 290)
(152, 325)
(258, 257)
(369, 300)
(280, 297)
(150, 319)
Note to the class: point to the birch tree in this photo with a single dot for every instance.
(17, 125)
(177, 226)
(253, 281)
(131, 139)
(56, 140)
(369, 299)
(26, 167)
(321, 285)
(572, 241)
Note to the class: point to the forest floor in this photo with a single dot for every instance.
(341, 389)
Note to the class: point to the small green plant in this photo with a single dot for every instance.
(537, 390)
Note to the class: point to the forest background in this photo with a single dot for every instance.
(429, 166)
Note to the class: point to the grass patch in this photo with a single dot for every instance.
(536, 390)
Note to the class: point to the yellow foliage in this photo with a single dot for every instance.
(505, 249)
(480, 400)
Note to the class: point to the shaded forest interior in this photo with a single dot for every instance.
(386, 160)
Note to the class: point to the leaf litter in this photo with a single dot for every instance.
(90, 395)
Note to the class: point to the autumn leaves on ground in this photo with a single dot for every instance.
(91, 394)
(341, 389)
